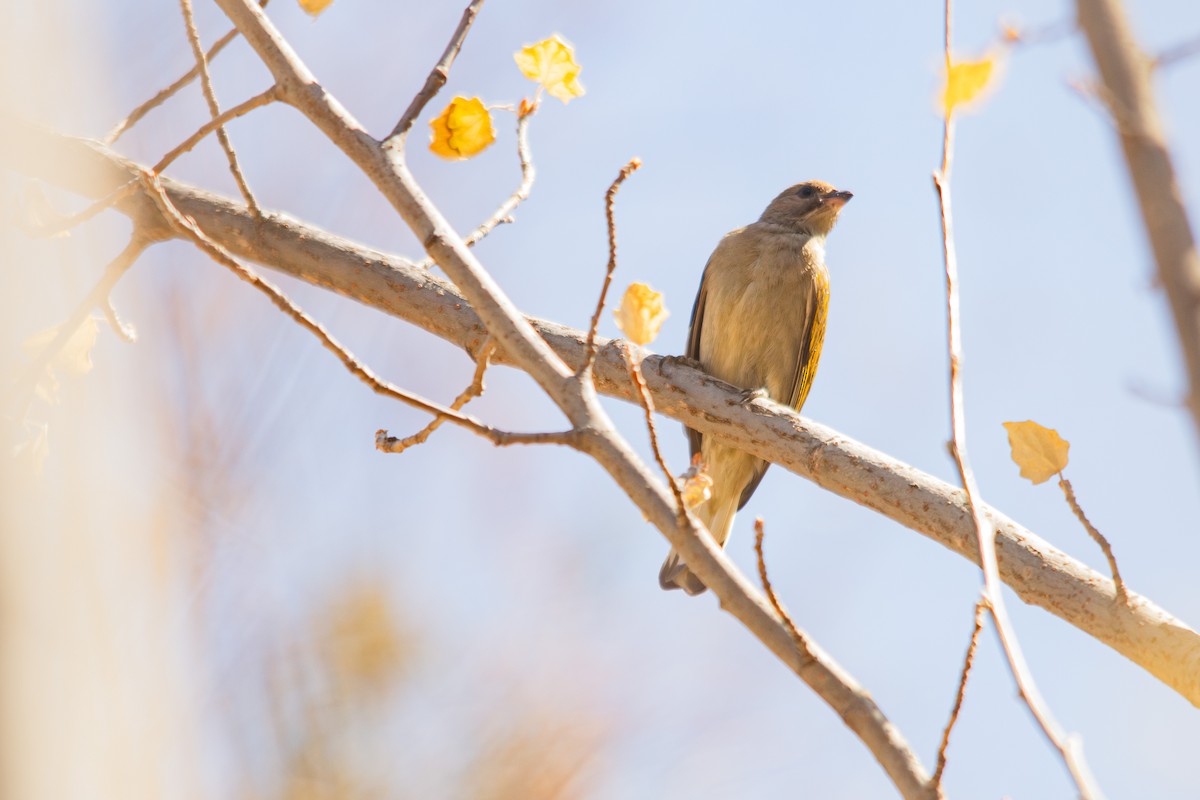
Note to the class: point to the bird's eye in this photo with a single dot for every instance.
(807, 192)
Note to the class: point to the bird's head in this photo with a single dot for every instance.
(811, 207)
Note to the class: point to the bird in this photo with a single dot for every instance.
(758, 323)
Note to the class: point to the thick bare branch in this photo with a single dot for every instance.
(1041, 574)
(1125, 71)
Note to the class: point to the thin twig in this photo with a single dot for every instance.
(214, 108)
(1176, 53)
(241, 109)
(797, 636)
(635, 373)
(356, 367)
(437, 78)
(503, 214)
(1047, 33)
(97, 296)
(980, 609)
(610, 219)
(121, 192)
(985, 532)
(1097, 537)
(67, 222)
(391, 444)
(157, 100)
(125, 331)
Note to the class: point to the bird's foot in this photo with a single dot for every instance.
(748, 396)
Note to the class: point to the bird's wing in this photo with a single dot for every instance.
(816, 309)
(693, 343)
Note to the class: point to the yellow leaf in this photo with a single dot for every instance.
(641, 313)
(965, 81)
(551, 62)
(1040, 452)
(463, 130)
(315, 7)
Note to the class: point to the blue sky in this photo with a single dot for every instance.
(526, 572)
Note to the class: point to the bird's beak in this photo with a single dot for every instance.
(837, 199)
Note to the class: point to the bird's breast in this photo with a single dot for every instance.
(756, 313)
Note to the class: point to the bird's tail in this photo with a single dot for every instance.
(674, 573)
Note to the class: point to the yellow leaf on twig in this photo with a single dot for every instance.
(1040, 452)
(965, 82)
(315, 7)
(551, 62)
(463, 130)
(641, 313)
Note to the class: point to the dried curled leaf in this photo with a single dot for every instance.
(697, 484)
(463, 130)
(315, 7)
(965, 82)
(1040, 452)
(551, 63)
(641, 313)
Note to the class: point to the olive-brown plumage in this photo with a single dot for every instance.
(758, 323)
